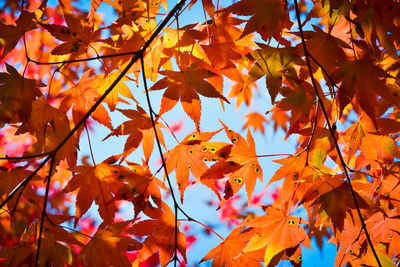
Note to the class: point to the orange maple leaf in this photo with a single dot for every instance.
(229, 252)
(269, 16)
(11, 179)
(160, 232)
(11, 34)
(97, 183)
(141, 186)
(140, 130)
(107, 247)
(50, 126)
(188, 157)
(185, 86)
(17, 94)
(276, 231)
(272, 62)
(255, 120)
(76, 37)
(357, 77)
(81, 98)
(240, 163)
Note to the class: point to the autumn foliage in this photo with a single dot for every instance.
(330, 67)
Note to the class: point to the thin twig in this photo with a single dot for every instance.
(332, 132)
(164, 165)
(166, 124)
(46, 195)
(202, 224)
(326, 73)
(82, 60)
(51, 80)
(312, 132)
(273, 155)
(27, 157)
(90, 145)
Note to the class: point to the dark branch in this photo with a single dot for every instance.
(46, 195)
(332, 132)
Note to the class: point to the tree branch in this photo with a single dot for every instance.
(332, 132)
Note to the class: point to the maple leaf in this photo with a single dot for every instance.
(50, 126)
(272, 62)
(107, 247)
(320, 146)
(11, 179)
(188, 157)
(241, 164)
(105, 81)
(375, 146)
(337, 204)
(185, 86)
(298, 98)
(53, 234)
(276, 231)
(256, 121)
(160, 232)
(17, 94)
(140, 187)
(10, 34)
(17, 255)
(81, 98)
(97, 183)
(270, 16)
(93, 7)
(243, 90)
(388, 189)
(376, 25)
(229, 251)
(127, 41)
(76, 37)
(323, 45)
(354, 248)
(357, 77)
(140, 130)
(221, 56)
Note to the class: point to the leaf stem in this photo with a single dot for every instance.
(166, 124)
(273, 155)
(90, 144)
(205, 226)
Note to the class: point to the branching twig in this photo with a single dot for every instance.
(136, 57)
(332, 132)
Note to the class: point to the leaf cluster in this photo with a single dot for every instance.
(333, 81)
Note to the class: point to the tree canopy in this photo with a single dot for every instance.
(330, 67)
